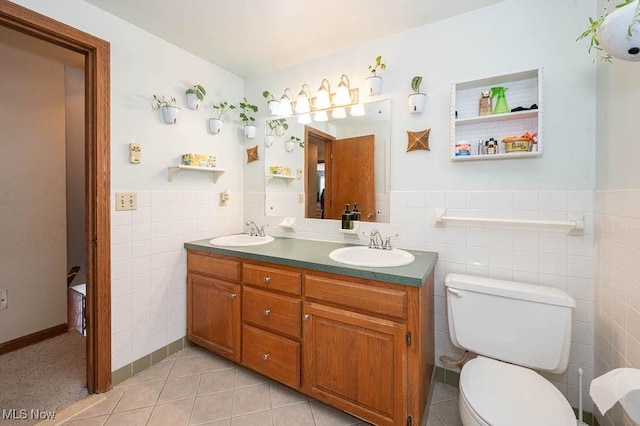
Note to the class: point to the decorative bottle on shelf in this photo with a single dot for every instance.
(347, 217)
(485, 107)
(355, 213)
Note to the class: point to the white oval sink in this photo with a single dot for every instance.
(240, 240)
(373, 258)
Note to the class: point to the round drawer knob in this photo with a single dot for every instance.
(232, 296)
(267, 279)
(306, 317)
(267, 312)
(265, 357)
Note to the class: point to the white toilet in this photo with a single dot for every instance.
(513, 327)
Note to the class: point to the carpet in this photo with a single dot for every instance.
(42, 378)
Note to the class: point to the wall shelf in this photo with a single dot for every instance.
(286, 178)
(173, 170)
(523, 90)
(572, 226)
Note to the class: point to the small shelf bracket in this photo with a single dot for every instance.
(173, 170)
(573, 226)
(286, 178)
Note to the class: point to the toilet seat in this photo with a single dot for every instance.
(500, 394)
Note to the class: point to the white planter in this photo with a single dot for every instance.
(288, 146)
(192, 101)
(250, 131)
(417, 102)
(215, 125)
(374, 84)
(268, 140)
(614, 37)
(279, 130)
(273, 107)
(170, 114)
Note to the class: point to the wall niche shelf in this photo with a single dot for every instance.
(523, 90)
(286, 178)
(173, 170)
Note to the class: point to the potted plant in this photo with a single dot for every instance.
(195, 95)
(247, 118)
(617, 34)
(374, 82)
(169, 109)
(215, 123)
(416, 99)
(273, 106)
(290, 143)
(279, 126)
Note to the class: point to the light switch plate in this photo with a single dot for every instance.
(126, 201)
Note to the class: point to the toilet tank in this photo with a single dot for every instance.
(524, 324)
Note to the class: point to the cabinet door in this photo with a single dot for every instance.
(213, 315)
(355, 362)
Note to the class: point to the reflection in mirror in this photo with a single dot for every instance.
(340, 161)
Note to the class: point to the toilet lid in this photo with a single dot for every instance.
(507, 394)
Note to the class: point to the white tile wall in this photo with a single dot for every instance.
(148, 265)
(617, 284)
(522, 253)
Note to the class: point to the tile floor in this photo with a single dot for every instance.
(195, 387)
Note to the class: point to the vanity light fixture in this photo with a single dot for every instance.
(321, 116)
(303, 103)
(339, 113)
(323, 98)
(357, 110)
(285, 103)
(343, 93)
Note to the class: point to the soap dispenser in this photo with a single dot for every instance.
(356, 213)
(347, 218)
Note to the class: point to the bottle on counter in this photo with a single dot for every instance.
(356, 213)
(347, 216)
(485, 107)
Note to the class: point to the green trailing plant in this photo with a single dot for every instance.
(247, 112)
(278, 122)
(222, 108)
(198, 90)
(161, 102)
(415, 83)
(268, 96)
(594, 24)
(294, 139)
(377, 66)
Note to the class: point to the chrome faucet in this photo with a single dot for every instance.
(375, 239)
(255, 231)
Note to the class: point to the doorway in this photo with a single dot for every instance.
(97, 176)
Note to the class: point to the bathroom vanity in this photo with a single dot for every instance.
(359, 339)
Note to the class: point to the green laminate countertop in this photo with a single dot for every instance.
(314, 255)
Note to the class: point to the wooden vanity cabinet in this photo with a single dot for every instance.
(362, 346)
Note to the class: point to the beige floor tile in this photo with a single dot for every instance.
(176, 413)
(187, 367)
(214, 362)
(130, 418)
(432, 420)
(448, 412)
(217, 381)
(155, 373)
(293, 415)
(137, 396)
(282, 395)
(105, 406)
(443, 392)
(329, 416)
(225, 422)
(180, 388)
(123, 384)
(90, 421)
(187, 352)
(216, 406)
(246, 377)
(250, 399)
(261, 418)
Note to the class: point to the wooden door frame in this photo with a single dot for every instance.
(97, 176)
(308, 130)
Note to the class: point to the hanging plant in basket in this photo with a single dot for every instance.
(616, 34)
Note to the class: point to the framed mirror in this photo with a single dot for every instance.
(314, 169)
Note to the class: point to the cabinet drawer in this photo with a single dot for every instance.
(214, 266)
(376, 300)
(271, 278)
(271, 355)
(272, 311)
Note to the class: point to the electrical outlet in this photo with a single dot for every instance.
(126, 201)
(3, 299)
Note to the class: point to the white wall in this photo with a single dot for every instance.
(617, 284)
(499, 39)
(148, 260)
(32, 200)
